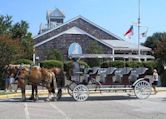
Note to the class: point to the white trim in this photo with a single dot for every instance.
(112, 56)
(76, 19)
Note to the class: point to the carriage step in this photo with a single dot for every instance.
(109, 89)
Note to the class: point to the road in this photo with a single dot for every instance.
(105, 106)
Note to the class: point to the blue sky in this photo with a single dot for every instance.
(113, 15)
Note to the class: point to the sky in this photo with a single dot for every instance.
(115, 16)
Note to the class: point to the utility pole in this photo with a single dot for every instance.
(139, 21)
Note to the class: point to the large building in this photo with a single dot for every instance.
(79, 32)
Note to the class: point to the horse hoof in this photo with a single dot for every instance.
(47, 100)
(23, 100)
(31, 98)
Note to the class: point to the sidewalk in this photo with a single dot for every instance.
(44, 92)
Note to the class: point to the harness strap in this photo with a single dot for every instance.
(18, 71)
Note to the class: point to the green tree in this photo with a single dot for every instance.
(158, 42)
(18, 35)
(19, 29)
(10, 50)
(154, 40)
(94, 48)
(5, 24)
(27, 46)
(54, 54)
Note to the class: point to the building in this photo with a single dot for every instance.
(59, 35)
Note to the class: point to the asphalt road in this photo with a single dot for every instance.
(105, 106)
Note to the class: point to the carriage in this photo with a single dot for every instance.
(88, 79)
(109, 79)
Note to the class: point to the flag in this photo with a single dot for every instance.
(144, 34)
(129, 33)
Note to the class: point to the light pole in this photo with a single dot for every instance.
(139, 21)
(34, 56)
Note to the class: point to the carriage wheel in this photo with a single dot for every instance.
(142, 89)
(96, 85)
(80, 93)
(71, 87)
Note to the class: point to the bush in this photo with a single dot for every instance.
(68, 65)
(113, 64)
(148, 64)
(23, 61)
(93, 62)
(54, 54)
(51, 64)
(134, 64)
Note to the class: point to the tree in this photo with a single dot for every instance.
(14, 37)
(27, 46)
(153, 41)
(94, 48)
(5, 24)
(160, 50)
(10, 50)
(158, 42)
(19, 29)
(54, 55)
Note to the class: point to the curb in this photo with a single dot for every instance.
(45, 93)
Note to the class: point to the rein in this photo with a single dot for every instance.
(18, 71)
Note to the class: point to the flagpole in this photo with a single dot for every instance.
(139, 20)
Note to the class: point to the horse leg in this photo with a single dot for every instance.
(36, 93)
(52, 86)
(49, 95)
(59, 94)
(23, 94)
(32, 95)
(21, 84)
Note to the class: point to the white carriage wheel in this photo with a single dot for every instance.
(71, 87)
(80, 93)
(142, 89)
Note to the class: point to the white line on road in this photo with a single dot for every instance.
(60, 111)
(26, 111)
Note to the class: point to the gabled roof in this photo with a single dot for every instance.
(78, 17)
(73, 30)
(124, 45)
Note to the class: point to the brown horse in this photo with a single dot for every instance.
(12, 70)
(36, 76)
(60, 82)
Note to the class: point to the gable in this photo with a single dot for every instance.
(73, 30)
(81, 23)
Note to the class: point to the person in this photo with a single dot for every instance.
(9, 81)
(155, 80)
(75, 69)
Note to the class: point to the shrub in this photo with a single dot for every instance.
(23, 61)
(51, 64)
(68, 65)
(113, 64)
(150, 65)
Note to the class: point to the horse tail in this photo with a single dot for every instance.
(53, 83)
